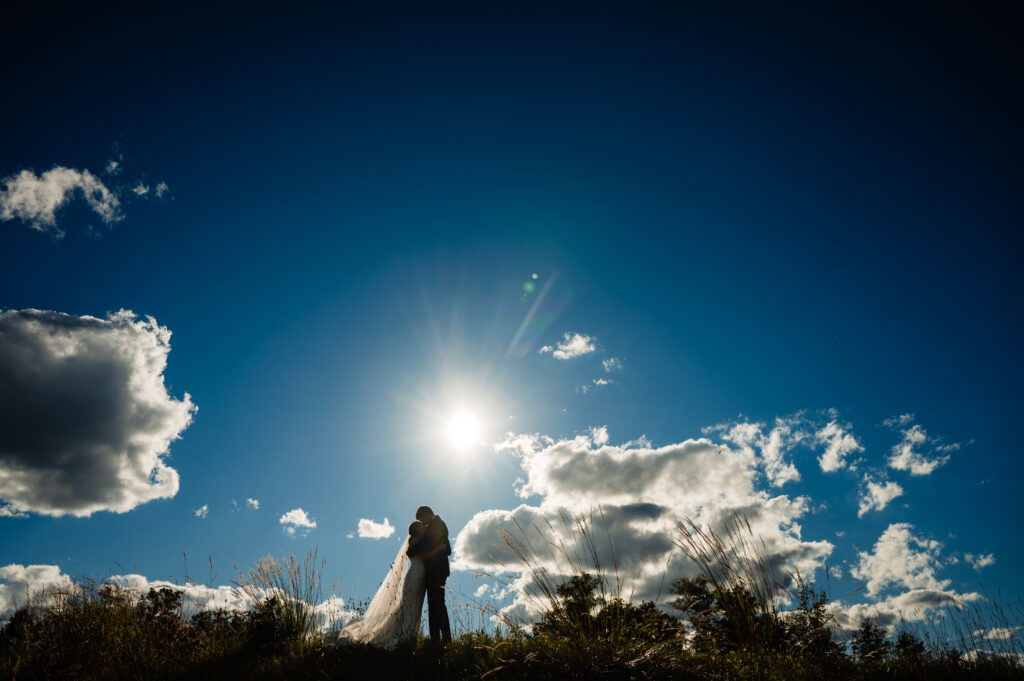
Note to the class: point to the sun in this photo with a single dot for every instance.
(462, 430)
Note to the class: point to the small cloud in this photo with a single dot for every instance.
(369, 529)
(612, 364)
(36, 199)
(161, 190)
(480, 591)
(254, 504)
(202, 511)
(572, 345)
(996, 633)
(140, 189)
(839, 443)
(898, 421)
(602, 381)
(980, 561)
(296, 521)
(906, 455)
(877, 495)
(113, 167)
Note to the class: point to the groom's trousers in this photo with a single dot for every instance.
(437, 614)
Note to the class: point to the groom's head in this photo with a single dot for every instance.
(424, 514)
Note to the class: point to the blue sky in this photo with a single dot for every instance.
(760, 215)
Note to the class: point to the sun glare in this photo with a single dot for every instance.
(463, 430)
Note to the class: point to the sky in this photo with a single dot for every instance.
(655, 261)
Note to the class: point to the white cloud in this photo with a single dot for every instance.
(40, 582)
(140, 189)
(254, 504)
(161, 190)
(602, 381)
(36, 199)
(877, 495)
(85, 418)
(774, 446)
(612, 364)
(20, 583)
(997, 633)
(480, 591)
(900, 558)
(914, 605)
(297, 521)
(979, 561)
(905, 455)
(369, 529)
(202, 511)
(572, 345)
(635, 493)
(839, 442)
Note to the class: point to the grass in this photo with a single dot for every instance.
(737, 621)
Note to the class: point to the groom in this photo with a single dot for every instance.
(435, 549)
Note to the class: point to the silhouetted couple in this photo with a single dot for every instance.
(393, 616)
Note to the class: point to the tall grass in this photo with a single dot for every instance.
(587, 626)
(292, 587)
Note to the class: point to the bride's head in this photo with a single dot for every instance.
(416, 528)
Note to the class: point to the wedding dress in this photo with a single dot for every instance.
(393, 616)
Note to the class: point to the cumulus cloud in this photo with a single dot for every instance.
(36, 199)
(839, 443)
(906, 455)
(775, 444)
(902, 559)
(911, 606)
(296, 521)
(254, 504)
(369, 529)
(85, 418)
(877, 495)
(572, 345)
(635, 493)
(202, 511)
(980, 561)
(21, 583)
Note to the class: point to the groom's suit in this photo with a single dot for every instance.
(435, 548)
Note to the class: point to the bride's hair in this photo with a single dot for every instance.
(416, 528)
(424, 512)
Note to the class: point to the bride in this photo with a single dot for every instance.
(393, 616)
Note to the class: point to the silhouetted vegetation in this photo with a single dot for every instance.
(725, 623)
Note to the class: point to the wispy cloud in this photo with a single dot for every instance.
(906, 455)
(840, 443)
(254, 504)
(612, 364)
(202, 511)
(369, 529)
(297, 521)
(980, 561)
(36, 199)
(876, 495)
(572, 345)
